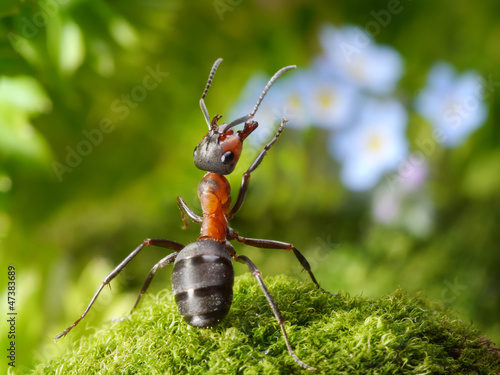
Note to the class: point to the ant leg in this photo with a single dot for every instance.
(274, 307)
(169, 244)
(162, 263)
(246, 176)
(186, 211)
(271, 244)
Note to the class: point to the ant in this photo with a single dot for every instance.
(203, 276)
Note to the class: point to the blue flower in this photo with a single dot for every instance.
(289, 98)
(452, 104)
(409, 206)
(330, 101)
(267, 115)
(411, 211)
(375, 144)
(285, 100)
(307, 97)
(355, 56)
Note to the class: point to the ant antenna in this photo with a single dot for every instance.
(273, 79)
(202, 101)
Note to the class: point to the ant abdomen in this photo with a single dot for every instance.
(202, 283)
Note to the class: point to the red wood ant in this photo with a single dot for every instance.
(203, 276)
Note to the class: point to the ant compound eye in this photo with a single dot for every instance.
(227, 158)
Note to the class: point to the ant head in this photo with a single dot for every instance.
(220, 149)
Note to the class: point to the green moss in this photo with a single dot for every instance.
(336, 334)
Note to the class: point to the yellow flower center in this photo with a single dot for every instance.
(325, 100)
(294, 101)
(375, 143)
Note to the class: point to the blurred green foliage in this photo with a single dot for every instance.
(74, 90)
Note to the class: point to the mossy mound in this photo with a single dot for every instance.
(395, 334)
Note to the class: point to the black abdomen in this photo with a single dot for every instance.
(202, 283)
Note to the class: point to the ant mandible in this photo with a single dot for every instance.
(203, 276)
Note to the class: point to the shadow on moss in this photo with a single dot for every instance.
(336, 334)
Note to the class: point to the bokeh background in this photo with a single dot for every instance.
(387, 175)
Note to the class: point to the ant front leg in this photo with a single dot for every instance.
(246, 176)
(187, 212)
(271, 244)
(169, 244)
(255, 271)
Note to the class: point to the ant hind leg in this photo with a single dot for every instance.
(255, 271)
(162, 263)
